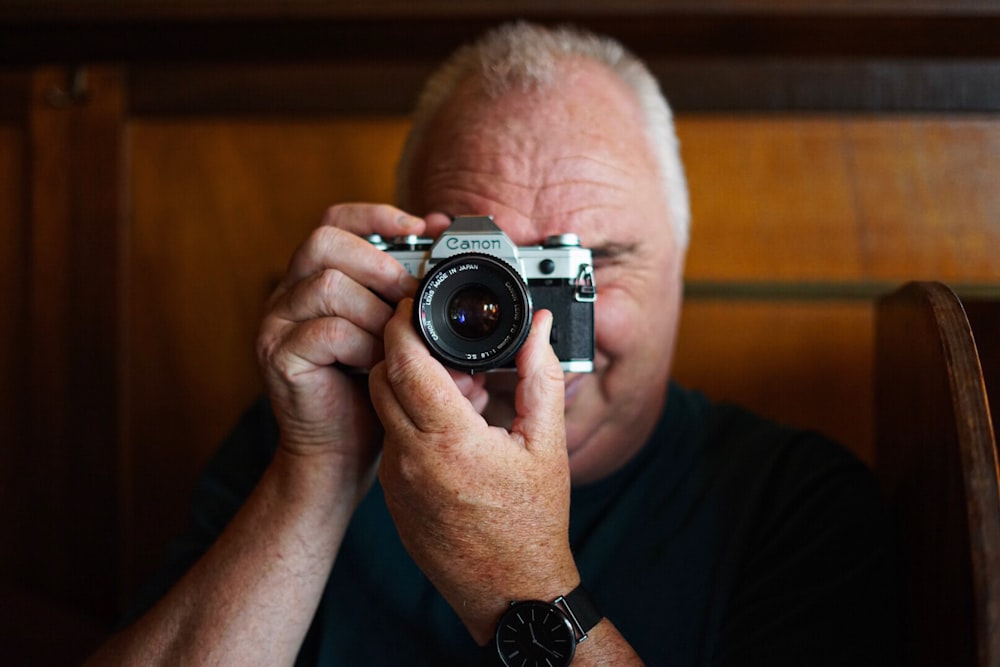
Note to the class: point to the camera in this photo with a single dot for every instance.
(478, 291)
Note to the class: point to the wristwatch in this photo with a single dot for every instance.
(534, 632)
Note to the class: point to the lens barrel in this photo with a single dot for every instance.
(473, 312)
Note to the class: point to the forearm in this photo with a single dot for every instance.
(605, 646)
(251, 598)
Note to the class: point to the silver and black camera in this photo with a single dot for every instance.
(479, 290)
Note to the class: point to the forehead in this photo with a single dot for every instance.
(559, 156)
(584, 112)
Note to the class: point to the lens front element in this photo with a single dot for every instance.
(473, 312)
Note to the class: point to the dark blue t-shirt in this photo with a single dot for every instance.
(728, 540)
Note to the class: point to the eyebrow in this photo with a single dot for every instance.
(612, 250)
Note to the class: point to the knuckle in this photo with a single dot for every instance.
(400, 372)
(267, 342)
(272, 361)
(333, 331)
(274, 356)
(552, 373)
(400, 469)
(283, 365)
(325, 238)
(332, 281)
(386, 263)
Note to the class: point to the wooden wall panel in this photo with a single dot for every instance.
(803, 363)
(764, 190)
(849, 198)
(218, 208)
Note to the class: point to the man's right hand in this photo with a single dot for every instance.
(327, 314)
(269, 566)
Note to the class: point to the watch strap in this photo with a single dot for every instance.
(581, 610)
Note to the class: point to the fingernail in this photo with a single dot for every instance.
(407, 221)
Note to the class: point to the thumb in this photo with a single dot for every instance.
(539, 397)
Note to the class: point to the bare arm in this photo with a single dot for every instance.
(605, 646)
(252, 596)
(250, 599)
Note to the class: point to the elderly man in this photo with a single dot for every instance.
(536, 517)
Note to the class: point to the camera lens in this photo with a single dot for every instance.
(473, 312)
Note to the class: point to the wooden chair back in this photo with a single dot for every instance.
(937, 459)
(984, 316)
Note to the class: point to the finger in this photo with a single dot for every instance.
(333, 248)
(332, 293)
(540, 393)
(425, 389)
(338, 243)
(365, 219)
(392, 415)
(324, 342)
(473, 387)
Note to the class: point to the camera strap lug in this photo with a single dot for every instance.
(584, 289)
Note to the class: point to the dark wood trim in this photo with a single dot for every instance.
(370, 57)
(429, 37)
(362, 87)
(813, 291)
(692, 85)
(76, 180)
(73, 10)
(816, 84)
(14, 339)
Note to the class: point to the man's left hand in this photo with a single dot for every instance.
(483, 511)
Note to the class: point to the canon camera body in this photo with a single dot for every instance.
(478, 292)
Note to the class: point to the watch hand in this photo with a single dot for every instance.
(531, 629)
(543, 646)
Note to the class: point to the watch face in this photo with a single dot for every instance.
(535, 634)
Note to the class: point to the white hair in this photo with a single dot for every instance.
(526, 56)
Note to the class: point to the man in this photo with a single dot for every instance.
(700, 534)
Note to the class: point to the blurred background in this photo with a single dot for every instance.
(160, 161)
